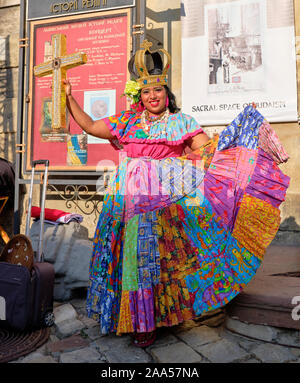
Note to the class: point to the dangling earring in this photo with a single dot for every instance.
(167, 101)
(141, 107)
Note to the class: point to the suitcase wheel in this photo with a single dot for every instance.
(48, 319)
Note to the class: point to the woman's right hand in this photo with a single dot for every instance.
(96, 128)
(68, 87)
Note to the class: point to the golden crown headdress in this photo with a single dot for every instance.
(145, 79)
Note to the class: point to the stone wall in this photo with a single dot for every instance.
(9, 61)
(9, 34)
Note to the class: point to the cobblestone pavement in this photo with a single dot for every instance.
(76, 339)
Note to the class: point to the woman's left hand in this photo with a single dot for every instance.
(197, 141)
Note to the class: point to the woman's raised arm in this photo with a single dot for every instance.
(96, 128)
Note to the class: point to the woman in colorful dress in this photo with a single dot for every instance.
(179, 234)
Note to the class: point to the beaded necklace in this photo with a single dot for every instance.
(149, 123)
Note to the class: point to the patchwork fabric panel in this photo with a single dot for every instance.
(256, 224)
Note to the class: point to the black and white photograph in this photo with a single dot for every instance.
(235, 47)
(243, 51)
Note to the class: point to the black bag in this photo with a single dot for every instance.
(26, 290)
(26, 298)
(16, 296)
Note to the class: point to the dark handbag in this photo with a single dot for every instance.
(15, 296)
(26, 297)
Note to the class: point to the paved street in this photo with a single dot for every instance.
(76, 339)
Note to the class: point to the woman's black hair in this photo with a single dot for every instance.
(172, 101)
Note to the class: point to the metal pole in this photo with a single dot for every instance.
(143, 19)
(29, 203)
(19, 119)
(133, 22)
(42, 217)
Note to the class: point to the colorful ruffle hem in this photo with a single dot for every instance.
(184, 235)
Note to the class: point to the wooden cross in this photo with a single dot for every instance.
(58, 67)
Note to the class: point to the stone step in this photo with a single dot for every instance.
(276, 335)
(269, 299)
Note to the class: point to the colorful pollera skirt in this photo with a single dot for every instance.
(181, 236)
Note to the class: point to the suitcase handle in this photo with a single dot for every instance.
(42, 216)
(40, 162)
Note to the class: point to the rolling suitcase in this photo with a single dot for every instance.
(26, 281)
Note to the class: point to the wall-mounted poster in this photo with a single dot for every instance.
(99, 104)
(97, 85)
(243, 51)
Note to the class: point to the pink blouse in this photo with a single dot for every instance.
(130, 137)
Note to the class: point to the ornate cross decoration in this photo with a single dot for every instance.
(58, 67)
(146, 45)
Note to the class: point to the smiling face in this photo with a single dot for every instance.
(154, 99)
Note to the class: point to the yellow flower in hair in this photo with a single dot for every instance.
(132, 88)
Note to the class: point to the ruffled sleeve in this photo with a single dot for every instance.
(119, 126)
(182, 127)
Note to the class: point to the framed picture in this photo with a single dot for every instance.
(99, 104)
(97, 86)
(242, 52)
